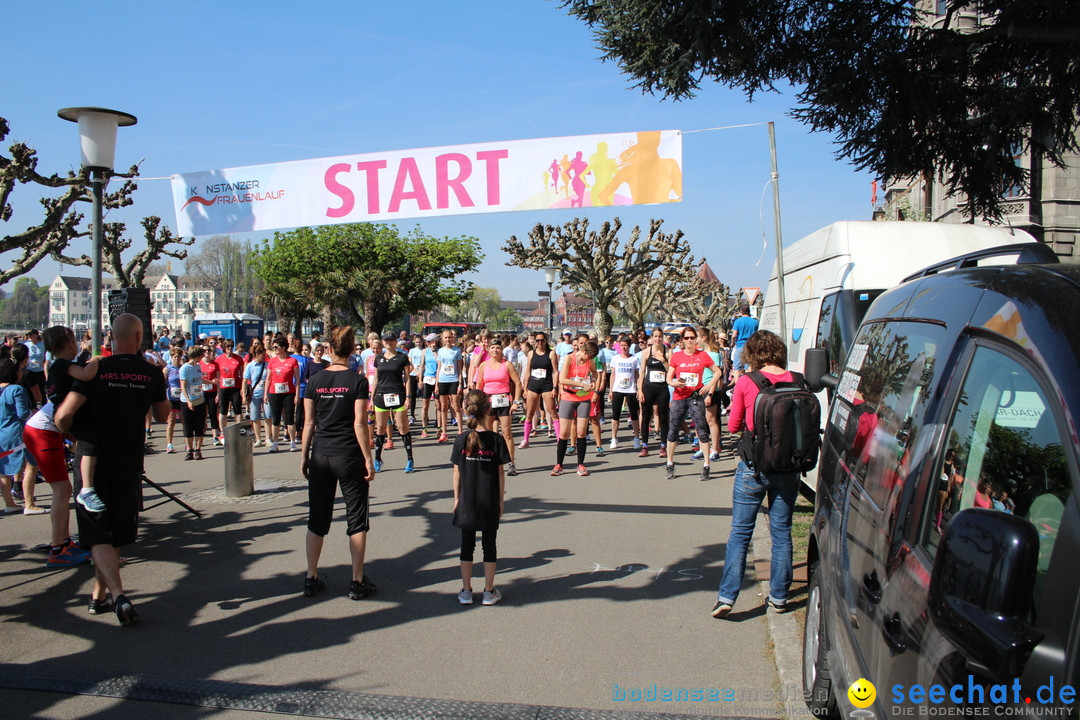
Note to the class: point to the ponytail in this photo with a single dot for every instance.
(477, 408)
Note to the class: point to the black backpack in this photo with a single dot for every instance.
(787, 427)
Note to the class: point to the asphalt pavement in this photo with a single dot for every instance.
(607, 582)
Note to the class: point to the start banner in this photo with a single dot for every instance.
(567, 172)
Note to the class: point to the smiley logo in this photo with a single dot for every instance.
(862, 693)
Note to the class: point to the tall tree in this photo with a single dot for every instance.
(594, 262)
(370, 272)
(28, 305)
(62, 220)
(904, 89)
(224, 261)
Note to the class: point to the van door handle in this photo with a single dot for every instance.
(871, 588)
(891, 630)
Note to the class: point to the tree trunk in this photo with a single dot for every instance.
(602, 322)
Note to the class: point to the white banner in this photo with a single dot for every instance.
(568, 172)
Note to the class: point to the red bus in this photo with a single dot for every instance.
(458, 328)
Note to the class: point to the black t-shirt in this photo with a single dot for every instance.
(478, 497)
(59, 381)
(389, 373)
(335, 393)
(117, 401)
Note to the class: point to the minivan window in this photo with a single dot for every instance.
(889, 371)
(841, 314)
(1005, 451)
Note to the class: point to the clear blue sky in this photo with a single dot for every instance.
(227, 85)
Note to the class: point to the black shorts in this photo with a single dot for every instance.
(118, 524)
(324, 474)
(282, 407)
(428, 390)
(229, 397)
(447, 389)
(85, 447)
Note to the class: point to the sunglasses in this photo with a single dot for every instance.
(689, 337)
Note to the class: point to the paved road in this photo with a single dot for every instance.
(607, 582)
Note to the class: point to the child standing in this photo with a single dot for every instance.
(479, 486)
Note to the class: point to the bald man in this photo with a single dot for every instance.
(115, 401)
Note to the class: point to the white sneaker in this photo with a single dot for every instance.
(637, 443)
(614, 444)
(292, 446)
(465, 597)
(273, 447)
(490, 598)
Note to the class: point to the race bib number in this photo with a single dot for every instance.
(657, 376)
(174, 393)
(207, 387)
(624, 383)
(691, 379)
(392, 400)
(195, 394)
(280, 388)
(448, 370)
(429, 380)
(539, 373)
(500, 401)
(228, 382)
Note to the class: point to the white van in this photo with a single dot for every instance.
(832, 276)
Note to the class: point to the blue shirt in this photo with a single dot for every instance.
(302, 362)
(36, 357)
(256, 374)
(449, 357)
(744, 327)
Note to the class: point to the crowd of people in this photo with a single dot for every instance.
(339, 402)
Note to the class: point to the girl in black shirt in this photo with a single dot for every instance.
(479, 485)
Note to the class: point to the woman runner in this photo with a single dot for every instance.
(172, 381)
(429, 379)
(653, 390)
(540, 371)
(449, 372)
(193, 402)
(625, 369)
(578, 379)
(210, 389)
(282, 389)
(685, 374)
(391, 369)
(499, 380)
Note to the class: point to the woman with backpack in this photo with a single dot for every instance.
(766, 353)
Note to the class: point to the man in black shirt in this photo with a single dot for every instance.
(116, 402)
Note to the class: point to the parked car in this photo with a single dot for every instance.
(942, 554)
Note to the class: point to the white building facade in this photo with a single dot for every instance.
(173, 298)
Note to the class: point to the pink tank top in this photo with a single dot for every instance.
(496, 379)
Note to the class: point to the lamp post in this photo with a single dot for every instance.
(97, 138)
(551, 274)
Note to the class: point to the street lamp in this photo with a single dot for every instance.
(97, 138)
(551, 274)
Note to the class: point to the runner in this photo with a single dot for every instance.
(391, 367)
(230, 367)
(335, 450)
(498, 378)
(193, 402)
(625, 369)
(416, 357)
(578, 379)
(210, 390)
(301, 353)
(540, 367)
(479, 355)
(653, 390)
(691, 395)
(283, 386)
(429, 364)
(449, 372)
(255, 376)
(711, 345)
(596, 407)
(172, 382)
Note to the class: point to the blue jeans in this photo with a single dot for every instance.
(747, 496)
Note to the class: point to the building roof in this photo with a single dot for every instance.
(706, 273)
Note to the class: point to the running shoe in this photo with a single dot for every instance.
(292, 446)
(89, 499)
(663, 451)
(695, 443)
(637, 444)
(409, 466)
(34, 510)
(189, 455)
(125, 611)
(443, 438)
(551, 435)
(217, 441)
(524, 444)
(670, 473)
(644, 451)
(358, 590)
(423, 434)
(697, 455)
(313, 586)
(68, 555)
(453, 421)
(512, 469)
(99, 607)
(613, 445)
(273, 447)
(198, 454)
(378, 465)
(465, 597)
(599, 451)
(704, 473)
(389, 444)
(169, 448)
(713, 457)
(490, 598)
(582, 471)
(720, 610)
(557, 470)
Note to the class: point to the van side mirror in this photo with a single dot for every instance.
(980, 590)
(816, 370)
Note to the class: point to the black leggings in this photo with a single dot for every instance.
(632, 405)
(282, 407)
(212, 410)
(194, 420)
(487, 540)
(657, 395)
(695, 405)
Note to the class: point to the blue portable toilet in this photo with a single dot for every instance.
(240, 328)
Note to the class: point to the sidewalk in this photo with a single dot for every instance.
(608, 581)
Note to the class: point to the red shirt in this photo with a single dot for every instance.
(230, 370)
(743, 396)
(282, 379)
(209, 373)
(690, 369)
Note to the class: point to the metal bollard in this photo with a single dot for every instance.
(239, 468)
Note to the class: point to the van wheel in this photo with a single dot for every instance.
(817, 682)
